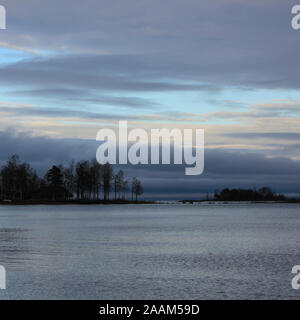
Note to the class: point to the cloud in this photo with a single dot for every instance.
(80, 96)
(227, 103)
(265, 135)
(61, 113)
(274, 109)
(102, 73)
(18, 48)
(237, 43)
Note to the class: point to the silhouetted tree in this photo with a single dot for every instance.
(263, 194)
(136, 188)
(18, 180)
(96, 177)
(54, 178)
(118, 184)
(69, 180)
(124, 189)
(107, 178)
(85, 179)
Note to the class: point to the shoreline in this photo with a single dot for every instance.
(236, 201)
(75, 202)
(112, 202)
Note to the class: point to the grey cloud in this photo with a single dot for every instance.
(244, 44)
(265, 135)
(81, 96)
(113, 73)
(232, 104)
(279, 109)
(63, 113)
(13, 109)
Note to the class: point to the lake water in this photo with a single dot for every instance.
(171, 251)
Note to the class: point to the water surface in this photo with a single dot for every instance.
(206, 251)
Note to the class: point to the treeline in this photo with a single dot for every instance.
(84, 180)
(263, 194)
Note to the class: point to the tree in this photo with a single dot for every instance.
(139, 190)
(96, 176)
(107, 177)
(118, 184)
(263, 194)
(133, 186)
(85, 179)
(82, 179)
(136, 188)
(266, 193)
(54, 179)
(17, 180)
(124, 189)
(69, 180)
(9, 178)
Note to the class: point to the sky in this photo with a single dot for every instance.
(69, 68)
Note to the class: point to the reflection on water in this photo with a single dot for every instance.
(242, 251)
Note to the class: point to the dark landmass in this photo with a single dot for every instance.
(225, 202)
(263, 195)
(84, 182)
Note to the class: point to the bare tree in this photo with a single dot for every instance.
(85, 179)
(107, 178)
(136, 188)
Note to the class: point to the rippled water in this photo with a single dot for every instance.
(232, 251)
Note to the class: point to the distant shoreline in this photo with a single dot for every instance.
(111, 202)
(236, 201)
(76, 202)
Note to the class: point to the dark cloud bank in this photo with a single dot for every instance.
(223, 168)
